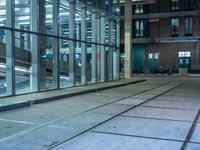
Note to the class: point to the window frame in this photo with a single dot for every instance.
(174, 33)
(175, 8)
(188, 22)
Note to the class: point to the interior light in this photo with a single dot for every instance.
(48, 6)
(24, 23)
(2, 12)
(24, 18)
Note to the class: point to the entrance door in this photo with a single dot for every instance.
(139, 55)
(153, 62)
(185, 60)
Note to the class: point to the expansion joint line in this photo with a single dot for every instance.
(69, 139)
(191, 131)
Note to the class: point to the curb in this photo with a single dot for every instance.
(54, 98)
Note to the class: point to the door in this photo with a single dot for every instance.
(153, 61)
(139, 55)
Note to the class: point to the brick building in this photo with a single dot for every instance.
(165, 35)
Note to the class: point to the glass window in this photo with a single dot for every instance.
(140, 28)
(22, 15)
(2, 12)
(3, 67)
(156, 56)
(139, 9)
(64, 64)
(187, 61)
(175, 5)
(122, 10)
(150, 56)
(188, 4)
(22, 62)
(184, 54)
(38, 53)
(181, 54)
(181, 61)
(174, 26)
(188, 26)
(49, 16)
(187, 54)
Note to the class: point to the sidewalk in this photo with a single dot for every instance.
(14, 102)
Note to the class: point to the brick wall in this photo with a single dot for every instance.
(169, 53)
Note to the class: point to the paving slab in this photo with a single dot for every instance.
(173, 130)
(144, 96)
(40, 115)
(131, 101)
(95, 98)
(179, 98)
(196, 134)
(169, 104)
(112, 109)
(39, 139)
(163, 113)
(8, 103)
(9, 128)
(113, 93)
(183, 93)
(83, 121)
(99, 141)
(192, 146)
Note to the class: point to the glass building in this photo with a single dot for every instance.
(52, 44)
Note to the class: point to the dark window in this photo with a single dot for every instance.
(140, 28)
(188, 4)
(140, 9)
(174, 26)
(175, 4)
(188, 26)
(122, 11)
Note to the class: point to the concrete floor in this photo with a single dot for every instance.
(158, 114)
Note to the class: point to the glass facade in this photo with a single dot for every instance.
(52, 44)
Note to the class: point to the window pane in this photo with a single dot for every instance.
(2, 62)
(22, 62)
(156, 56)
(150, 56)
(2, 12)
(181, 54)
(187, 54)
(22, 14)
(188, 26)
(175, 4)
(174, 26)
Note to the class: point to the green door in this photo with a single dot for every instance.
(138, 57)
(184, 62)
(153, 61)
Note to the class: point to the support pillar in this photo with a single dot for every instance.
(35, 61)
(10, 48)
(42, 45)
(56, 60)
(103, 50)
(98, 56)
(83, 45)
(128, 39)
(116, 55)
(110, 51)
(94, 47)
(72, 43)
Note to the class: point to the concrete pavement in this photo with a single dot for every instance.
(158, 114)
